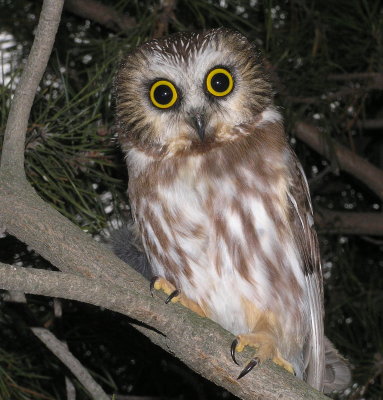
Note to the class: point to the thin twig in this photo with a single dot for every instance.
(330, 96)
(317, 179)
(61, 351)
(31, 392)
(376, 83)
(101, 14)
(355, 75)
(376, 242)
(375, 78)
(70, 389)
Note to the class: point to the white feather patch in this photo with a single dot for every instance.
(270, 115)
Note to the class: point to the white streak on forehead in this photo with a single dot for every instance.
(197, 63)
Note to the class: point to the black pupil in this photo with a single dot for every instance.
(163, 94)
(220, 82)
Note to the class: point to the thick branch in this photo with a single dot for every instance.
(101, 14)
(351, 223)
(204, 345)
(26, 216)
(61, 351)
(14, 137)
(348, 161)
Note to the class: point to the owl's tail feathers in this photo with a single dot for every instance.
(337, 371)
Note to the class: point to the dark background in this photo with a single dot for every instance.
(74, 162)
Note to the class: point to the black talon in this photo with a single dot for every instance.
(172, 295)
(152, 282)
(232, 350)
(248, 367)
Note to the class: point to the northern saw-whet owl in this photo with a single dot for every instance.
(219, 200)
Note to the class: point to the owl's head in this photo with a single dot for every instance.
(189, 91)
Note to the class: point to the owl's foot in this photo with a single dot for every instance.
(265, 347)
(174, 295)
(167, 287)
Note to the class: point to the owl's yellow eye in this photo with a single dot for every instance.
(163, 94)
(219, 82)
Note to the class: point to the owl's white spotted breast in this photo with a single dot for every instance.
(211, 233)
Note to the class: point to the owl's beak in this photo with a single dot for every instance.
(199, 124)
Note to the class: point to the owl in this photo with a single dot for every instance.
(219, 200)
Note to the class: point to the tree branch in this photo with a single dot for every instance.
(61, 351)
(349, 223)
(329, 96)
(70, 389)
(165, 15)
(375, 77)
(350, 162)
(14, 137)
(371, 123)
(26, 216)
(204, 346)
(101, 14)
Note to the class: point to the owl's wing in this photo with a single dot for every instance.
(307, 241)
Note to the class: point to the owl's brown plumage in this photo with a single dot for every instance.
(219, 198)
